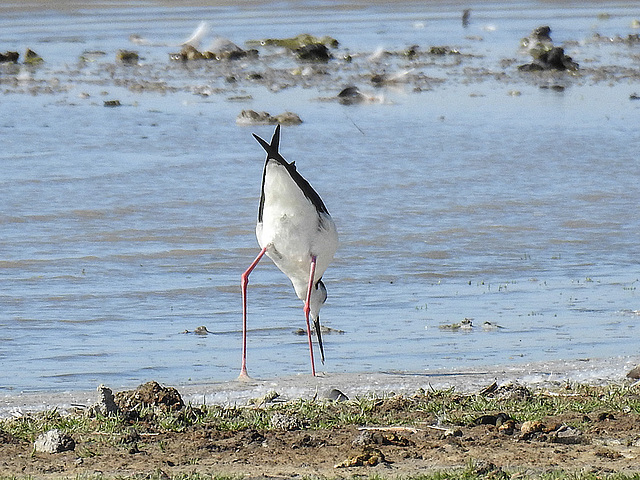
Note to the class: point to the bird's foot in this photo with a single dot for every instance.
(244, 376)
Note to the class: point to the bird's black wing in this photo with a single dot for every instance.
(273, 154)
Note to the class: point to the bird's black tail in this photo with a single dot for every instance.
(272, 148)
(316, 325)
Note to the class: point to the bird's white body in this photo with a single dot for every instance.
(293, 231)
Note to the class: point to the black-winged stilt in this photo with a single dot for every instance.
(296, 231)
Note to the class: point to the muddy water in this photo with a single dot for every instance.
(467, 189)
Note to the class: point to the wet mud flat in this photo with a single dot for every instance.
(325, 67)
(503, 429)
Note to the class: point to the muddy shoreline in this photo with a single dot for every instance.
(504, 429)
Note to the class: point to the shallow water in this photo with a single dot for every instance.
(482, 195)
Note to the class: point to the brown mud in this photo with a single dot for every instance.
(582, 429)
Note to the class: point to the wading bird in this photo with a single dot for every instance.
(296, 231)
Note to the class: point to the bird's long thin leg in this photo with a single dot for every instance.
(307, 309)
(244, 282)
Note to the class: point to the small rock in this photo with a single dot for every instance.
(443, 50)
(453, 432)
(7, 438)
(336, 395)
(32, 58)
(288, 118)
(496, 420)
(489, 389)
(54, 441)
(489, 470)
(512, 391)
(607, 453)
(189, 52)
(538, 41)
(281, 421)
(9, 57)
(112, 103)
(323, 329)
(412, 51)
(299, 41)
(531, 67)
(225, 49)
(106, 404)
(488, 326)
(315, 52)
(450, 326)
(485, 420)
(252, 436)
(378, 437)
(201, 330)
(369, 457)
(352, 95)
(251, 117)
(545, 55)
(634, 373)
(266, 398)
(150, 394)
(128, 57)
(553, 59)
(507, 427)
(531, 426)
(366, 437)
(567, 435)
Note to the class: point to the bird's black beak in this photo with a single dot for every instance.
(316, 325)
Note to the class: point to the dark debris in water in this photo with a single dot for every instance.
(554, 59)
(546, 56)
(297, 42)
(335, 71)
(201, 330)
(9, 57)
(325, 331)
(32, 58)
(128, 57)
(315, 52)
(228, 51)
(251, 117)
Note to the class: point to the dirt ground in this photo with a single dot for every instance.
(604, 442)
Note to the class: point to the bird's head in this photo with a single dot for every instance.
(318, 297)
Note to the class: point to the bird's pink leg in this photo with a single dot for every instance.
(307, 309)
(244, 282)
